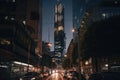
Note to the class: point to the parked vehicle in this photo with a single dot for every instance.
(31, 76)
(105, 76)
(73, 75)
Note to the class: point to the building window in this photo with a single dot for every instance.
(13, 0)
(24, 22)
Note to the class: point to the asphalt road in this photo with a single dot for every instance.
(55, 76)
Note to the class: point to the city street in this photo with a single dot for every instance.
(59, 39)
(55, 76)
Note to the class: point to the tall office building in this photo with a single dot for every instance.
(28, 12)
(34, 21)
(59, 35)
(22, 37)
(78, 8)
(104, 15)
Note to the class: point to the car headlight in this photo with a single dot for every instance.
(33, 78)
(69, 76)
(53, 71)
(20, 79)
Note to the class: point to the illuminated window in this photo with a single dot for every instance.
(56, 18)
(55, 9)
(60, 17)
(13, 0)
(103, 14)
(12, 18)
(83, 22)
(60, 8)
(6, 17)
(60, 28)
(55, 29)
(5, 42)
(24, 22)
(116, 2)
(59, 46)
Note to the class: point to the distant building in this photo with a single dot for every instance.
(45, 48)
(46, 55)
(59, 34)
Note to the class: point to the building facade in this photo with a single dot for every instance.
(24, 36)
(34, 21)
(99, 15)
(91, 13)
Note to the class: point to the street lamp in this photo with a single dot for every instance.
(76, 31)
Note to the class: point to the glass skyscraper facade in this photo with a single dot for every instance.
(59, 34)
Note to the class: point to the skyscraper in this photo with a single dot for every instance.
(59, 34)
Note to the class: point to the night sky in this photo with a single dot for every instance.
(48, 21)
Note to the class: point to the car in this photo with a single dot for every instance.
(31, 76)
(45, 74)
(105, 76)
(73, 75)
